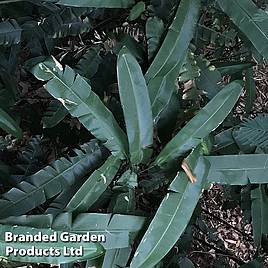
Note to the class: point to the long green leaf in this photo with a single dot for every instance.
(177, 40)
(97, 3)
(94, 186)
(136, 105)
(54, 114)
(8, 124)
(2, 2)
(230, 68)
(88, 65)
(172, 216)
(115, 258)
(136, 11)
(165, 89)
(119, 257)
(208, 119)
(251, 20)
(224, 142)
(10, 32)
(50, 181)
(259, 213)
(167, 64)
(238, 169)
(168, 118)
(68, 22)
(90, 250)
(119, 230)
(209, 78)
(250, 87)
(154, 30)
(60, 202)
(78, 98)
(124, 199)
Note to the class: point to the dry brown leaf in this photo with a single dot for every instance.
(188, 171)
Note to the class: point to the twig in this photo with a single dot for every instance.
(228, 224)
(210, 253)
(219, 251)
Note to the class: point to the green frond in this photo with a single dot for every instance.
(253, 132)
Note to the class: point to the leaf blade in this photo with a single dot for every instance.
(250, 87)
(78, 98)
(97, 3)
(136, 11)
(154, 30)
(175, 42)
(167, 63)
(259, 212)
(172, 216)
(238, 169)
(251, 20)
(8, 124)
(94, 186)
(208, 119)
(54, 114)
(136, 105)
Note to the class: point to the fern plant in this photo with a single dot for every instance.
(253, 132)
(159, 119)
